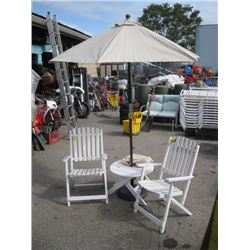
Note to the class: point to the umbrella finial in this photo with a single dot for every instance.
(127, 16)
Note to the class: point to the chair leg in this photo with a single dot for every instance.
(181, 206)
(136, 204)
(184, 196)
(67, 190)
(106, 188)
(105, 180)
(165, 216)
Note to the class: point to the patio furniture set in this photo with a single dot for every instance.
(86, 145)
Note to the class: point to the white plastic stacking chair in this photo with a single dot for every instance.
(178, 166)
(86, 144)
(199, 108)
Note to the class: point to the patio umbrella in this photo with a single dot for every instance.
(128, 42)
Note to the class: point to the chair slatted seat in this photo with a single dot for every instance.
(159, 187)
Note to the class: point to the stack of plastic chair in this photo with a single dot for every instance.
(199, 108)
(208, 118)
(189, 112)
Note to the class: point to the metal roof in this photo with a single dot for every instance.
(40, 21)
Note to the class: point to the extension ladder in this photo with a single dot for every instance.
(61, 72)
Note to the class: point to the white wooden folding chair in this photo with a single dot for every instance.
(86, 144)
(178, 166)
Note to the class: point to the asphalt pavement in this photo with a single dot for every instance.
(93, 225)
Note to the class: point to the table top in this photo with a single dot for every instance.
(121, 169)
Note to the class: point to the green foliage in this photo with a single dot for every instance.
(177, 22)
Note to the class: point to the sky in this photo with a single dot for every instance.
(93, 17)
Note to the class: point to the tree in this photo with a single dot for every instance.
(177, 22)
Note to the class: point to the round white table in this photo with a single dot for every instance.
(126, 174)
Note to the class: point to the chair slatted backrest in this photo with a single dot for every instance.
(86, 144)
(180, 157)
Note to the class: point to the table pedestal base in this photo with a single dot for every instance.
(124, 194)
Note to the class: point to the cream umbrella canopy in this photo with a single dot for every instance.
(128, 42)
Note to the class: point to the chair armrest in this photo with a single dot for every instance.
(155, 164)
(181, 178)
(66, 158)
(104, 156)
(143, 106)
(144, 167)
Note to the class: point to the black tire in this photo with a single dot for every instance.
(82, 112)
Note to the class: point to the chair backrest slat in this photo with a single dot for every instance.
(97, 138)
(183, 155)
(179, 153)
(180, 157)
(166, 161)
(172, 156)
(79, 134)
(93, 143)
(101, 140)
(86, 144)
(74, 139)
(71, 143)
(186, 156)
(190, 168)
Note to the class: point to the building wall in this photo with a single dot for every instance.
(39, 49)
(106, 69)
(206, 45)
(91, 69)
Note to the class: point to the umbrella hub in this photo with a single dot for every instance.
(127, 22)
(127, 16)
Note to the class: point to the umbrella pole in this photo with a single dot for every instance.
(130, 113)
(123, 193)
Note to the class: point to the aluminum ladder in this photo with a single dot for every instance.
(61, 71)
